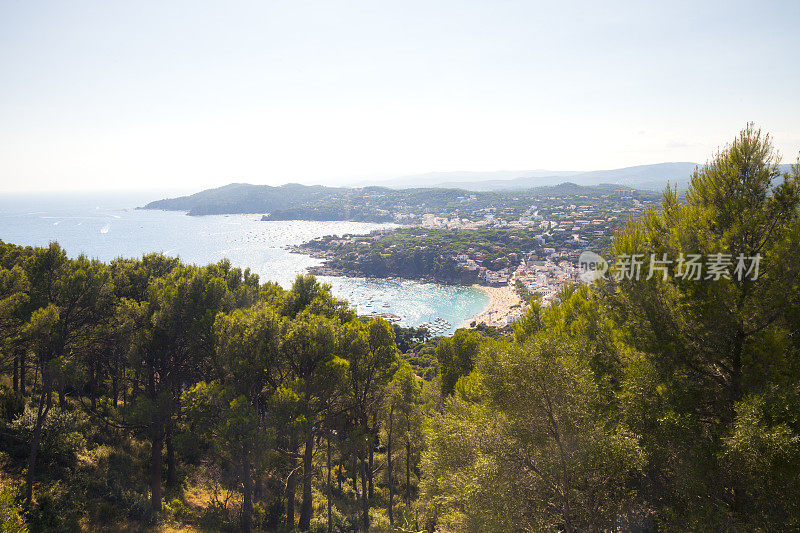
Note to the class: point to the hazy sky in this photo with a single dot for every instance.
(195, 94)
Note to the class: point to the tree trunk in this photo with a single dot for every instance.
(355, 477)
(258, 488)
(247, 498)
(114, 389)
(291, 485)
(736, 373)
(62, 398)
(93, 385)
(171, 470)
(565, 483)
(735, 395)
(22, 365)
(371, 472)
(330, 487)
(408, 473)
(306, 507)
(364, 498)
(35, 378)
(389, 465)
(157, 445)
(41, 414)
(15, 380)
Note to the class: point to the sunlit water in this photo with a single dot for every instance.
(106, 226)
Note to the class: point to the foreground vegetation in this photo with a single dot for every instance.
(151, 394)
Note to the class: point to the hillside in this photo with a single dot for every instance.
(367, 204)
(244, 198)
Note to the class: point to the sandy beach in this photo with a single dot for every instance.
(503, 302)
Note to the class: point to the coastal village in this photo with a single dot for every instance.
(511, 253)
(533, 276)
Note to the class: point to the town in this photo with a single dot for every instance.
(530, 245)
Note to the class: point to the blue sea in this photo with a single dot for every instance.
(108, 225)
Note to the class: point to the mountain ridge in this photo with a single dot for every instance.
(647, 177)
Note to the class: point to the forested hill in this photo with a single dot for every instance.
(374, 204)
(246, 198)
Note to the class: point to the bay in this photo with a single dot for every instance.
(108, 225)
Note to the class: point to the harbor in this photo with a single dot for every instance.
(440, 308)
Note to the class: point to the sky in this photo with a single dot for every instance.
(186, 95)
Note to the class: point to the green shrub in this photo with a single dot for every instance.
(218, 516)
(378, 520)
(56, 509)
(11, 518)
(11, 404)
(106, 512)
(189, 446)
(139, 509)
(177, 510)
(62, 434)
(319, 524)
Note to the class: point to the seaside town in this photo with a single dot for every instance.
(533, 276)
(512, 250)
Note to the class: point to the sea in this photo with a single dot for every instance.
(108, 225)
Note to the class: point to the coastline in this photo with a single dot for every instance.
(504, 300)
(325, 269)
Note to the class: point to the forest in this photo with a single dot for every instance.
(147, 394)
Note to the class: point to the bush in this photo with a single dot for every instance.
(112, 472)
(177, 510)
(56, 510)
(61, 434)
(319, 524)
(378, 520)
(11, 518)
(106, 513)
(140, 510)
(11, 404)
(216, 517)
(189, 446)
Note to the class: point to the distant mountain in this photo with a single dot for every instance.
(642, 177)
(438, 179)
(645, 177)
